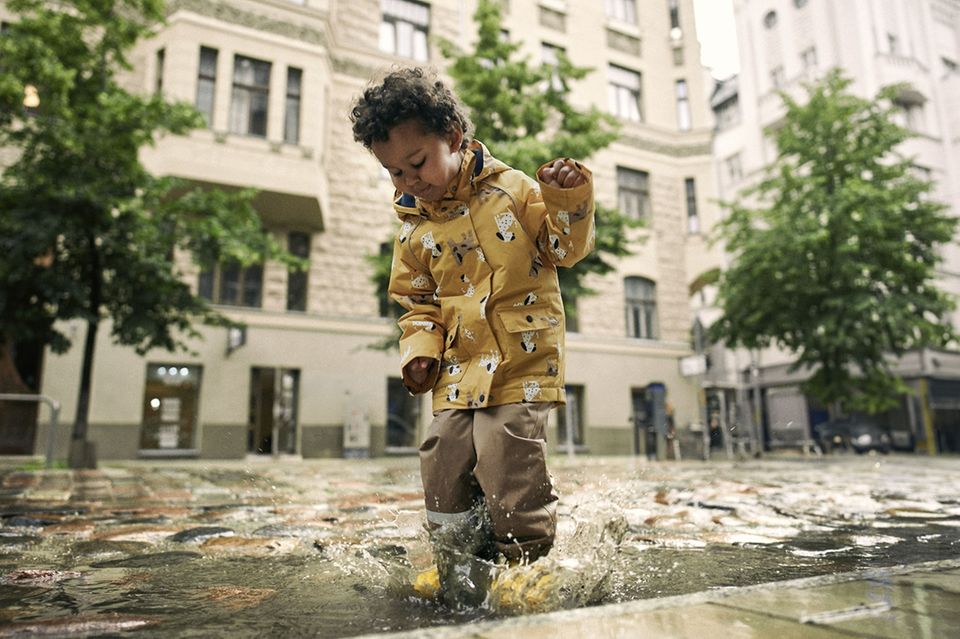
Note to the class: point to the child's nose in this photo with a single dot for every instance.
(411, 178)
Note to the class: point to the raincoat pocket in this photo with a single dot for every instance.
(520, 319)
(532, 340)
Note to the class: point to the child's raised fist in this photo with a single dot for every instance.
(563, 173)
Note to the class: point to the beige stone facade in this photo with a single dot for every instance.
(325, 185)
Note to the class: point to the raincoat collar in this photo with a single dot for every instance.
(476, 166)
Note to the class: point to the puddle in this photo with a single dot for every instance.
(329, 549)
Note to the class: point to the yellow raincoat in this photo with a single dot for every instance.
(477, 273)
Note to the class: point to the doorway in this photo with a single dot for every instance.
(274, 397)
(403, 415)
(644, 429)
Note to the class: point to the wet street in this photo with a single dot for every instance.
(326, 548)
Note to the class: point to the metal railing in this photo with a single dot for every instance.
(54, 416)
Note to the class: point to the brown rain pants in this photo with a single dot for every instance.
(497, 454)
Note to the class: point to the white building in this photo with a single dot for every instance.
(275, 80)
(785, 43)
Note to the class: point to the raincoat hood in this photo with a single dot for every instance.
(476, 166)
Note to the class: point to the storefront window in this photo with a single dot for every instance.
(170, 401)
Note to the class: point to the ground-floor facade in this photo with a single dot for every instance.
(926, 420)
(307, 386)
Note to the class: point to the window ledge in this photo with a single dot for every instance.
(560, 6)
(626, 28)
(168, 452)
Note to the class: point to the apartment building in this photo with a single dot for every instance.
(275, 80)
(782, 45)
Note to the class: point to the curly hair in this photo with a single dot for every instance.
(405, 94)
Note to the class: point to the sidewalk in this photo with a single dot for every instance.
(253, 548)
(920, 600)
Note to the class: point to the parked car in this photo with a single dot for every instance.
(856, 433)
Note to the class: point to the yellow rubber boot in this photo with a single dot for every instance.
(523, 588)
(427, 583)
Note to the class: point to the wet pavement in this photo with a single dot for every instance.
(325, 548)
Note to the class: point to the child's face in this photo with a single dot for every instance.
(420, 163)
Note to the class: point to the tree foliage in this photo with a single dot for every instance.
(86, 231)
(522, 112)
(834, 260)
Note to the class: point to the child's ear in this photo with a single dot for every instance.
(456, 139)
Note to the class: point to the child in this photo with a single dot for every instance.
(475, 266)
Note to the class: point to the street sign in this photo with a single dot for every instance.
(693, 365)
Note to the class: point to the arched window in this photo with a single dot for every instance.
(770, 19)
(641, 304)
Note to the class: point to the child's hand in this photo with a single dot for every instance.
(419, 368)
(563, 173)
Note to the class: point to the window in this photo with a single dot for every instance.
(404, 26)
(676, 32)
(623, 10)
(728, 114)
(291, 117)
(683, 106)
(693, 219)
(678, 56)
(232, 285)
(158, 80)
(251, 94)
(633, 193)
(570, 418)
(893, 44)
(799, 4)
(206, 83)
(949, 66)
(298, 244)
(170, 398)
(550, 54)
(809, 58)
(556, 20)
(625, 93)
(770, 19)
(641, 303)
(777, 77)
(909, 114)
(733, 168)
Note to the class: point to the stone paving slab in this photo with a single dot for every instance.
(304, 542)
(920, 600)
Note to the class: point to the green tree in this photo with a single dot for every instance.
(86, 232)
(523, 114)
(835, 262)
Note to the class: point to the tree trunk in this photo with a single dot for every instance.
(83, 453)
(10, 380)
(18, 419)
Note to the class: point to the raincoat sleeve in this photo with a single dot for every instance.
(422, 331)
(561, 220)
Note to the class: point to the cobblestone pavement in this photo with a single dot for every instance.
(323, 548)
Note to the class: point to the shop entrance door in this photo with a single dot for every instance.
(274, 397)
